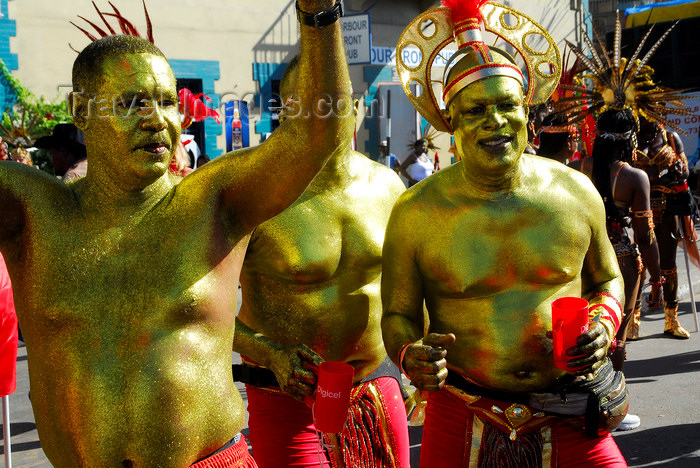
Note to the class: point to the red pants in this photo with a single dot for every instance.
(236, 456)
(283, 435)
(449, 440)
(8, 334)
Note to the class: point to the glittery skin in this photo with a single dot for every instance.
(312, 274)
(126, 280)
(489, 243)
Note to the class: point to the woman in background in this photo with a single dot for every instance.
(417, 166)
(625, 191)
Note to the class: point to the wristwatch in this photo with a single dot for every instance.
(323, 18)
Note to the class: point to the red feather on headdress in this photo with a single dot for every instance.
(194, 109)
(463, 9)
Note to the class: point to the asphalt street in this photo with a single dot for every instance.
(663, 376)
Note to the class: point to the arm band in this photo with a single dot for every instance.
(610, 314)
(402, 354)
(649, 215)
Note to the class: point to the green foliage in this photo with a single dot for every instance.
(30, 117)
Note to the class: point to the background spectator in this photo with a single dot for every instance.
(66, 145)
(417, 166)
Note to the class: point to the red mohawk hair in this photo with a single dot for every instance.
(125, 25)
(463, 9)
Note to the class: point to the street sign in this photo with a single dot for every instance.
(357, 38)
(411, 56)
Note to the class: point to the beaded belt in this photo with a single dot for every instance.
(658, 206)
(623, 250)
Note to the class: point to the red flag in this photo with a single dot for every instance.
(8, 334)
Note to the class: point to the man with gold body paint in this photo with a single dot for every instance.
(125, 280)
(311, 291)
(487, 244)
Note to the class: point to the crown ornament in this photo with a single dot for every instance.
(460, 24)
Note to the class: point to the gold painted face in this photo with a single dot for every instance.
(490, 124)
(134, 122)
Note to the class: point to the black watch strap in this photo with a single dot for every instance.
(322, 19)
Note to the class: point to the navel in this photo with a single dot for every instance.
(523, 374)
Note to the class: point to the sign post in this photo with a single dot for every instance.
(357, 38)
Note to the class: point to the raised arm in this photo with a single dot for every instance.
(24, 190)
(12, 208)
(265, 180)
(11, 213)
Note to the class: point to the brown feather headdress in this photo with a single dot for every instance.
(620, 83)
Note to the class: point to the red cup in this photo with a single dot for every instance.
(332, 400)
(569, 321)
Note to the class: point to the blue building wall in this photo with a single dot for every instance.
(208, 71)
(588, 19)
(8, 28)
(264, 73)
(373, 76)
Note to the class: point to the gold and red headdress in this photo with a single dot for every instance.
(619, 83)
(458, 24)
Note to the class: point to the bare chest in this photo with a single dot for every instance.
(158, 269)
(483, 252)
(314, 239)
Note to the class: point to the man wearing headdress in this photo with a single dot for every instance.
(557, 140)
(123, 278)
(310, 292)
(66, 146)
(487, 244)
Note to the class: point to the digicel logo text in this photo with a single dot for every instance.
(326, 394)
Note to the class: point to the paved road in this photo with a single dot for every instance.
(663, 376)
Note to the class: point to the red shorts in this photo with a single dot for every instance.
(236, 456)
(283, 435)
(453, 435)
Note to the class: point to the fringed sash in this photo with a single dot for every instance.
(367, 441)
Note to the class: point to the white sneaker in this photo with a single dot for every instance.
(630, 422)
